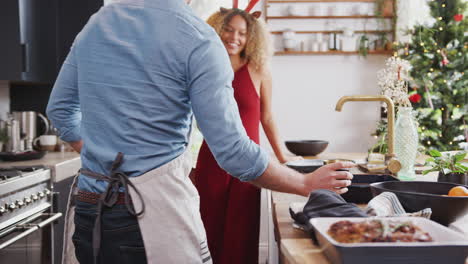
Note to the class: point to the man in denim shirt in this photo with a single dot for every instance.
(133, 78)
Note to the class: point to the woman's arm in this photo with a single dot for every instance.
(267, 120)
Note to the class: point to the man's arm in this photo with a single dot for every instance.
(63, 108)
(76, 145)
(280, 178)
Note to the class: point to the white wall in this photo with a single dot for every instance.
(305, 92)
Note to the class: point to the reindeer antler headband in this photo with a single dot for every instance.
(250, 5)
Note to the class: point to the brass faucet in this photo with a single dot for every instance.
(393, 164)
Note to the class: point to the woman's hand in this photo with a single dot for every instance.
(334, 177)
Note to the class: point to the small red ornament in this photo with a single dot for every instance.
(458, 17)
(415, 98)
(444, 61)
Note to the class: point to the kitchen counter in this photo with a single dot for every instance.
(62, 164)
(294, 245)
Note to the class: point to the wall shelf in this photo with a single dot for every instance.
(335, 31)
(332, 52)
(380, 30)
(323, 17)
(320, 1)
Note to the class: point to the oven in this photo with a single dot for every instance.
(26, 216)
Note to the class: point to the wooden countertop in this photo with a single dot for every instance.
(62, 164)
(294, 245)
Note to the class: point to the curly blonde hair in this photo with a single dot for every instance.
(257, 49)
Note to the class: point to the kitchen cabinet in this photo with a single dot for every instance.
(34, 43)
(28, 46)
(36, 36)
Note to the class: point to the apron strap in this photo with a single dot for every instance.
(109, 198)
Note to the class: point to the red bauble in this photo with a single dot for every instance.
(458, 17)
(415, 98)
(445, 62)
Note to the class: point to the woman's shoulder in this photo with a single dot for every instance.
(257, 72)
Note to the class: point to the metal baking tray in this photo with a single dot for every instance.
(448, 246)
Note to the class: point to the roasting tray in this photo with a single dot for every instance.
(448, 246)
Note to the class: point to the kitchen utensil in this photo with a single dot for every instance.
(45, 142)
(306, 147)
(417, 195)
(448, 245)
(28, 125)
(14, 136)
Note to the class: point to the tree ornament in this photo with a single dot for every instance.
(458, 17)
(429, 99)
(444, 61)
(415, 98)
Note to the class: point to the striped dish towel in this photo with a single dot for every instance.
(387, 204)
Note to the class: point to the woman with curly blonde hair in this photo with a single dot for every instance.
(230, 209)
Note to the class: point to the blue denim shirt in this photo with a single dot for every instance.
(134, 77)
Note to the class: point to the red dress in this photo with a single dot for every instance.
(230, 209)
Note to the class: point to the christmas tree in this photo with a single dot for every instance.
(439, 85)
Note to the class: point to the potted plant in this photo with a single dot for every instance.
(363, 45)
(381, 41)
(380, 134)
(449, 166)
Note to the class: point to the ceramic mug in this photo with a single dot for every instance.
(290, 44)
(45, 142)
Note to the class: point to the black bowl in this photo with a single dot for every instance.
(306, 147)
(305, 165)
(417, 195)
(359, 191)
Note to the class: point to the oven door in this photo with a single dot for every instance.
(29, 241)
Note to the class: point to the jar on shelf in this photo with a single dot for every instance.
(318, 9)
(323, 46)
(315, 46)
(348, 40)
(296, 10)
(406, 142)
(289, 40)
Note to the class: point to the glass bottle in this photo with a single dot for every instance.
(406, 143)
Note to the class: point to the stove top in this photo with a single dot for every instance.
(7, 173)
(24, 191)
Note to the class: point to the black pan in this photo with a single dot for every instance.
(417, 195)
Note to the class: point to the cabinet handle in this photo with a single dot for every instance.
(30, 229)
(25, 57)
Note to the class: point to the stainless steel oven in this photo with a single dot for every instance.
(26, 216)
